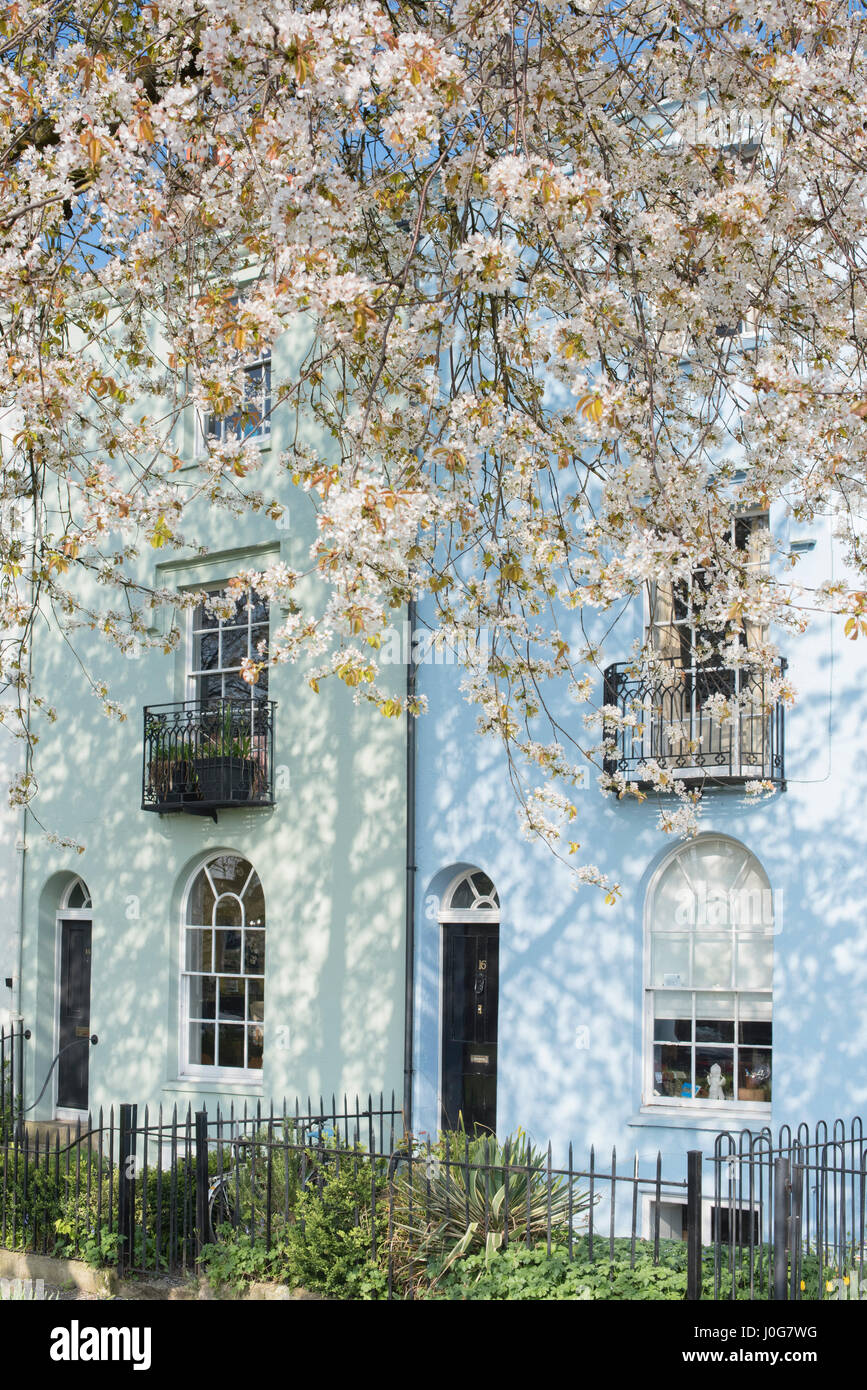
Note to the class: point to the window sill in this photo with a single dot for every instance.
(215, 1084)
(680, 1117)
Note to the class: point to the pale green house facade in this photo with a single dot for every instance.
(325, 1013)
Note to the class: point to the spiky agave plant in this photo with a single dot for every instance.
(468, 1194)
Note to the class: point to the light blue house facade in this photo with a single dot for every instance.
(232, 930)
(742, 950)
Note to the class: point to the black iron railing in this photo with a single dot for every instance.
(713, 721)
(760, 1217)
(203, 756)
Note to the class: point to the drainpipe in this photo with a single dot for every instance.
(409, 1002)
(21, 850)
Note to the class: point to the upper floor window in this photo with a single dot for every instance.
(709, 977)
(223, 975)
(677, 627)
(253, 419)
(219, 646)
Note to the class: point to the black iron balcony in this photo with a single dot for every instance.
(697, 723)
(205, 756)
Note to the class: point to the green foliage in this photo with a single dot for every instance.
(327, 1246)
(84, 1227)
(30, 1195)
(468, 1195)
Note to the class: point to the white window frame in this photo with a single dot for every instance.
(191, 675)
(206, 1071)
(698, 1106)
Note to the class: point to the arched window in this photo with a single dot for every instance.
(473, 894)
(76, 897)
(223, 984)
(709, 977)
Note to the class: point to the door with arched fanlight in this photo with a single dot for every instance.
(470, 918)
(74, 925)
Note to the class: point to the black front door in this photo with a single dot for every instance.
(72, 1068)
(469, 1075)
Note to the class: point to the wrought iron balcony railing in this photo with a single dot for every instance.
(695, 722)
(204, 756)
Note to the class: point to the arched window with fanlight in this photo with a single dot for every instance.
(223, 978)
(709, 978)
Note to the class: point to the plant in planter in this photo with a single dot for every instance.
(171, 769)
(225, 766)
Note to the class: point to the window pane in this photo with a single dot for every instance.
(198, 950)
(755, 1006)
(203, 618)
(671, 1070)
(711, 1006)
(712, 967)
(755, 962)
(231, 1043)
(202, 1044)
(670, 961)
(256, 1000)
(255, 1037)
(209, 689)
(462, 896)
(254, 952)
(258, 608)
(254, 903)
(228, 912)
(754, 1074)
(231, 999)
(757, 1034)
(229, 873)
(203, 996)
(714, 1030)
(228, 956)
(714, 1073)
(234, 646)
(201, 902)
(672, 1030)
(674, 903)
(673, 1003)
(206, 652)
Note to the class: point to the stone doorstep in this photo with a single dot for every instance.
(54, 1133)
(17, 1264)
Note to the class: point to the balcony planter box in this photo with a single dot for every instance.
(172, 781)
(224, 779)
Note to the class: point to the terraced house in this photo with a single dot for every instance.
(283, 894)
(234, 929)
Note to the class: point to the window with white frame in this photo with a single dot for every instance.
(709, 978)
(223, 976)
(220, 645)
(252, 420)
(677, 630)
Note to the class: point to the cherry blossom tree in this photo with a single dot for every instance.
(577, 281)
